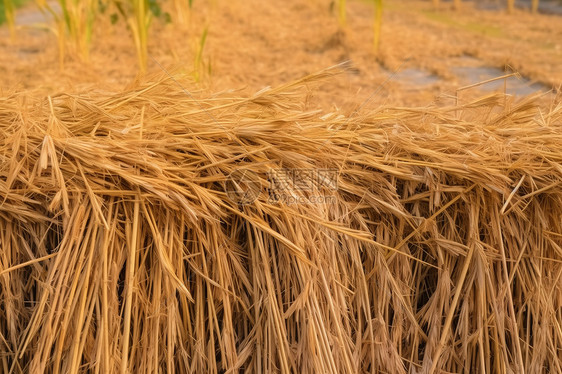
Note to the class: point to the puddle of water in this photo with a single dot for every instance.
(515, 86)
(545, 6)
(417, 77)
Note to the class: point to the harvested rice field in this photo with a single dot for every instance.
(297, 186)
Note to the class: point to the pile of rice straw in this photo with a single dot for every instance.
(120, 251)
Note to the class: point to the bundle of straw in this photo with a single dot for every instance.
(121, 252)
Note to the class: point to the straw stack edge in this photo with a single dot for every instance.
(437, 247)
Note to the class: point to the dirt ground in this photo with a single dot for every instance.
(254, 43)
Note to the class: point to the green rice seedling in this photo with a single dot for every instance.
(337, 8)
(183, 9)
(9, 13)
(79, 17)
(341, 13)
(510, 6)
(139, 25)
(534, 6)
(199, 63)
(138, 14)
(377, 23)
(59, 29)
(75, 25)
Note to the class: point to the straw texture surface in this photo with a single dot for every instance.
(438, 249)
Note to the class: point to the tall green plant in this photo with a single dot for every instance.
(199, 64)
(10, 14)
(535, 6)
(183, 8)
(341, 13)
(510, 6)
(377, 24)
(139, 14)
(76, 24)
(140, 23)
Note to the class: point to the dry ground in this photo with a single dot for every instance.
(254, 43)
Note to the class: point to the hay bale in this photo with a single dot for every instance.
(121, 251)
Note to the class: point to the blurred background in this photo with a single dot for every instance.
(405, 52)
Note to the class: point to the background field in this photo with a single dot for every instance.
(424, 54)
